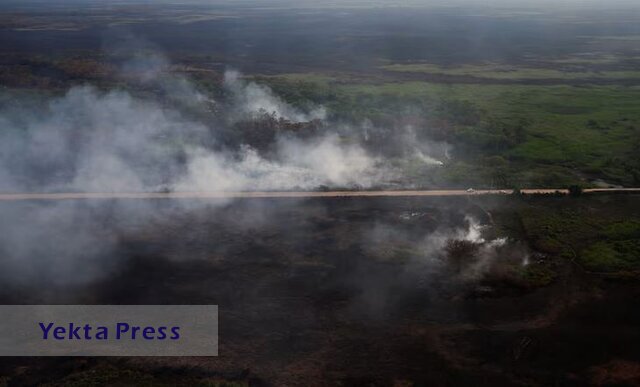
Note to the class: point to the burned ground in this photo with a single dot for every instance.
(345, 291)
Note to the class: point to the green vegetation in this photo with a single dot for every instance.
(538, 275)
(601, 238)
(612, 255)
(503, 135)
(502, 71)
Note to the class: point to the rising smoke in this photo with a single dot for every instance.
(91, 140)
(95, 140)
(251, 99)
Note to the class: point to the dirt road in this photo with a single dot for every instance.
(283, 194)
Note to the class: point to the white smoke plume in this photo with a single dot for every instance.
(89, 140)
(422, 150)
(94, 140)
(298, 165)
(429, 253)
(252, 99)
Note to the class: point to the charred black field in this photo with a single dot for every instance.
(349, 291)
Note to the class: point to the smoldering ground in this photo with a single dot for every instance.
(372, 257)
(89, 139)
(332, 289)
(303, 285)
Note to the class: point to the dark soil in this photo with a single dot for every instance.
(305, 299)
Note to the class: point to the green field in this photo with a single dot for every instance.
(532, 135)
(501, 71)
(601, 234)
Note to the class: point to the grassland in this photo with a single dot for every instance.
(601, 234)
(502, 135)
(568, 134)
(501, 71)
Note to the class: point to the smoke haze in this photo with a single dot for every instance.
(91, 140)
(95, 140)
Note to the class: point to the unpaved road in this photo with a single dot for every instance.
(284, 194)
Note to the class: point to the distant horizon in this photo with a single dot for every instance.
(529, 4)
